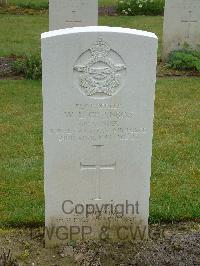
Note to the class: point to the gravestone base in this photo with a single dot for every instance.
(109, 228)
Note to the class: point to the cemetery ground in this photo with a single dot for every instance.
(174, 183)
(174, 205)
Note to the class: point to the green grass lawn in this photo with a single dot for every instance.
(21, 159)
(20, 34)
(107, 2)
(30, 3)
(175, 185)
(44, 3)
(176, 159)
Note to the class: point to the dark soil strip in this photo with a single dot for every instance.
(169, 244)
(108, 11)
(163, 71)
(5, 67)
(15, 10)
(6, 71)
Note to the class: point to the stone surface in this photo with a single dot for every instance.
(72, 13)
(3, 2)
(98, 91)
(181, 25)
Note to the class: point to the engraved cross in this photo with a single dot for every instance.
(189, 20)
(98, 167)
(74, 19)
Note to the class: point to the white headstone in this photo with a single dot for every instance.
(98, 91)
(72, 13)
(181, 25)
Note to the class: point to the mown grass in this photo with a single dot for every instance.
(21, 157)
(37, 4)
(20, 34)
(175, 189)
(175, 186)
(107, 2)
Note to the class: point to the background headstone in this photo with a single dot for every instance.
(72, 13)
(181, 25)
(3, 2)
(98, 91)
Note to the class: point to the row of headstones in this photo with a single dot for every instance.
(181, 20)
(98, 90)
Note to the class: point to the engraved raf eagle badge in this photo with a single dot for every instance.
(101, 70)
